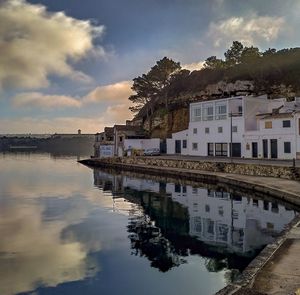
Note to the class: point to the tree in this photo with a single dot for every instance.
(178, 83)
(234, 53)
(269, 51)
(150, 87)
(250, 55)
(214, 63)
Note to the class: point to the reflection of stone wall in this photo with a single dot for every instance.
(235, 168)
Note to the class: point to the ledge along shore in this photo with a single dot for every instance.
(276, 270)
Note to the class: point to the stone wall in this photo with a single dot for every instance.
(234, 168)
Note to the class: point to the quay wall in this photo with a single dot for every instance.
(284, 172)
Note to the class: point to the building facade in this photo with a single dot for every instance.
(246, 126)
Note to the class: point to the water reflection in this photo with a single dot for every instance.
(181, 219)
(62, 235)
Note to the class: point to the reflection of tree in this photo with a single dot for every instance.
(168, 241)
(147, 240)
(162, 232)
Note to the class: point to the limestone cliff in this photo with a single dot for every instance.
(162, 122)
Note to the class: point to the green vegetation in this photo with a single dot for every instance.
(268, 71)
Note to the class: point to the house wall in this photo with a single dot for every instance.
(141, 143)
(217, 129)
(106, 150)
(287, 134)
(182, 135)
(203, 138)
(297, 132)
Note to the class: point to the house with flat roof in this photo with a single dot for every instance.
(278, 133)
(237, 126)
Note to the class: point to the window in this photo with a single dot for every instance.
(221, 111)
(221, 210)
(207, 130)
(184, 144)
(184, 189)
(195, 131)
(177, 188)
(210, 149)
(220, 129)
(286, 123)
(121, 138)
(195, 146)
(287, 147)
(266, 205)
(275, 208)
(208, 112)
(221, 149)
(207, 209)
(197, 114)
(234, 129)
(195, 191)
(240, 110)
(268, 125)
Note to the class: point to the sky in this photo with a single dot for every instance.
(68, 64)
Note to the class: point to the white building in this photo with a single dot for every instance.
(278, 134)
(240, 122)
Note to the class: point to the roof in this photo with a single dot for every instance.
(109, 130)
(127, 128)
(275, 116)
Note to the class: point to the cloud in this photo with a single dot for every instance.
(35, 43)
(40, 100)
(110, 116)
(114, 94)
(195, 66)
(118, 113)
(110, 93)
(251, 30)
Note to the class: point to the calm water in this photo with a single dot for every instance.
(68, 229)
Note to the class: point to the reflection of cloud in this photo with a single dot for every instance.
(40, 100)
(36, 43)
(35, 180)
(252, 30)
(33, 253)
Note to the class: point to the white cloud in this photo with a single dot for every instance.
(195, 66)
(47, 125)
(40, 100)
(36, 43)
(112, 115)
(251, 30)
(114, 94)
(110, 93)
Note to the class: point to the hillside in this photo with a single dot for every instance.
(244, 71)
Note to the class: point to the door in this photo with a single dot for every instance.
(254, 150)
(265, 148)
(178, 146)
(236, 150)
(274, 149)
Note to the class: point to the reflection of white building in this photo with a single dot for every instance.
(141, 184)
(233, 222)
(252, 127)
(238, 223)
